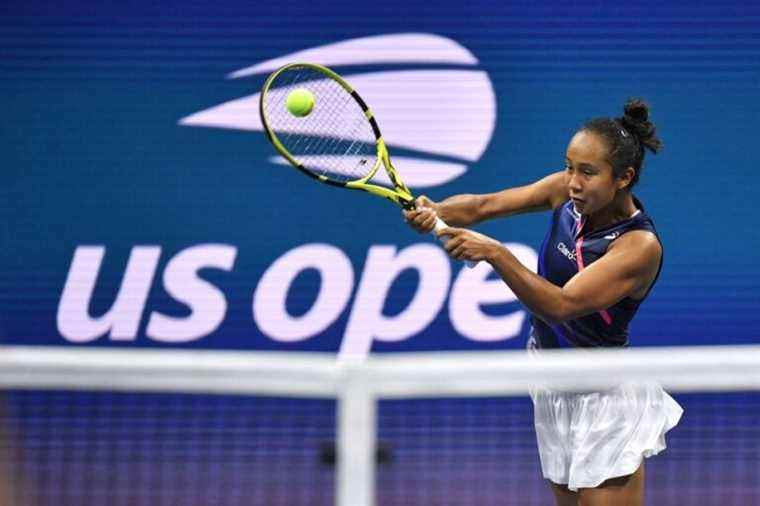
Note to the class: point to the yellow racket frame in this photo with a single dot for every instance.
(399, 195)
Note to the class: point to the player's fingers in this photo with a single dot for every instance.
(450, 231)
(459, 251)
(423, 201)
(419, 220)
(410, 214)
(415, 220)
(429, 224)
(452, 242)
(423, 211)
(421, 217)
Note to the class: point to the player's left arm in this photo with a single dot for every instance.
(627, 269)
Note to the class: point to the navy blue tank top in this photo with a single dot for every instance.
(566, 251)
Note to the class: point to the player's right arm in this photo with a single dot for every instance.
(464, 210)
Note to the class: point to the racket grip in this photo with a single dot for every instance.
(440, 224)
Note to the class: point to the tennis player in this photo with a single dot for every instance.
(599, 260)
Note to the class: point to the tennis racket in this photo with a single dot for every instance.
(338, 142)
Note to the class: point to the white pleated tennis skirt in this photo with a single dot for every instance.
(587, 438)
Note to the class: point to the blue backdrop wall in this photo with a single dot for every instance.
(143, 206)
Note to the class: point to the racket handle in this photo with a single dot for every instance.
(440, 224)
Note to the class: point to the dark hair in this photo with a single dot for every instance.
(627, 136)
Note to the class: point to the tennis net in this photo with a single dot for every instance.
(138, 427)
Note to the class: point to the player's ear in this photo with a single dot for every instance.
(624, 181)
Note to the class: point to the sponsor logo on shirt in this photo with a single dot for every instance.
(570, 254)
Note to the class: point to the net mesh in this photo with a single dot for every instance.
(483, 452)
(94, 448)
(126, 431)
(334, 140)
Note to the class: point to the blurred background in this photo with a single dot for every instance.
(144, 208)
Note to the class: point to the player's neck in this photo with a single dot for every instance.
(620, 209)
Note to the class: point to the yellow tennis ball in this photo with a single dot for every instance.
(300, 102)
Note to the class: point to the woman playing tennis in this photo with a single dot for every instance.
(599, 260)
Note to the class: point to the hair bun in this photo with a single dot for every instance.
(636, 111)
(636, 120)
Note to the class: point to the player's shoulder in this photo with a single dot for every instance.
(642, 243)
(556, 187)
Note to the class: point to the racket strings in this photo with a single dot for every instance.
(335, 140)
(332, 140)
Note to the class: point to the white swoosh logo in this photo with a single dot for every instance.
(379, 49)
(448, 112)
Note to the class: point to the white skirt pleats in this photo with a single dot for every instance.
(587, 438)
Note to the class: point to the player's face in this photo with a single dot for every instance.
(588, 175)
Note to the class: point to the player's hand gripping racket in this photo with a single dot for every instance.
(321, 125)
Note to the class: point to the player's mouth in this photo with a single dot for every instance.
(578, 204)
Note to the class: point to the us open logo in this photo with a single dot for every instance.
(437, 122)
(438, 119)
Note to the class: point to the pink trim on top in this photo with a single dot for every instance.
(579, 260)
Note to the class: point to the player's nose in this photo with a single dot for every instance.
(574, 185)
